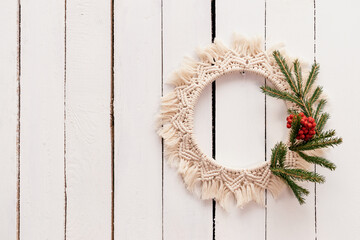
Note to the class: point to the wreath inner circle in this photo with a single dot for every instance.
(251, 167)
(246, 184)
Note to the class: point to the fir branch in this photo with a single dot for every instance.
(319, 108)
(322, 135)
(322, 121)
(300, 174)
(308, 108)
(298, 75)
(312, 77)
(278, 154)
(321, 140)
(318, 161)
(315, 95)
(298, 191)
(282, 95)
(299, 95)
(295, 127)
(311, 145)
(286, 71)
(292, 111)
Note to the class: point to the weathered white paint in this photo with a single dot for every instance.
(187, 25)
(138, 165)
(8, 118)
(151, 38)
(338, 53)
(240, 117)
(42, 121)
(88, 142)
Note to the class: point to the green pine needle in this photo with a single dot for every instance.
(295, 127)
(281, 95)
(298, 75)
(319, 109)
(322, 121)
(278, 154)
(312, 77)
(322, 135)
(292, 111)
(308, 109)
(298, 191)
(311, 145)
(315, 95)
(285, 70)
(300, 174)
(318, 161)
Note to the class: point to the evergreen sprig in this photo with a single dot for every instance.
(319, 109)
(286, 71)
(318, 161)
(282, 95)
(311, 103)
(295, 127)
(312, 77)
(315, 95)
(300, 174)
(290, 175)
(322, 121)
(326, 134)
(278, 155)
(298, 75)
(298, 191)
(316, 144)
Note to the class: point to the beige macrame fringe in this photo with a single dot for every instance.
(176, 124)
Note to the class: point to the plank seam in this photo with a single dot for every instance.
(162, 94)
(112, 123)
(213, 109)
(65, 161)
(265, 129)
(18, 122)
(315, 185)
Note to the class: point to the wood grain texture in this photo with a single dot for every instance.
(338, 53)
(187, 26)
(8, 119)
(42, 132)
(291, 23)
(137, 94)
(88, 141)
(65, 67)
(240, 117)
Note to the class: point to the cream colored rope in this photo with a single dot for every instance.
(177, 117)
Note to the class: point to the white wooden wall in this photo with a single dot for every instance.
(80, 84)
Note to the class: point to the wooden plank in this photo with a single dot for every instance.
(337, 52)
(138, 177)
(88, 139)
(42, 120)
(240, 117)
(291, 23)
(187, 25)
(8, 120)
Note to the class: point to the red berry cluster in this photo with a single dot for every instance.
(307, 130)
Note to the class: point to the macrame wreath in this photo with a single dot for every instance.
(290, 161)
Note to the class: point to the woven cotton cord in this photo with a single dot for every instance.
(176, 118)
